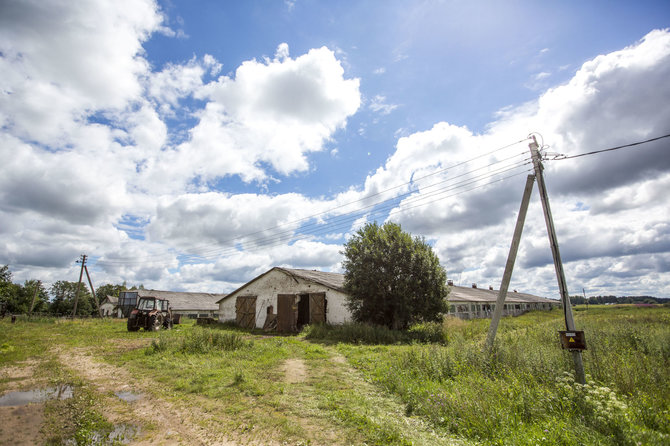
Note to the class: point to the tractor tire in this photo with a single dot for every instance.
(131, 325)
(155, 322)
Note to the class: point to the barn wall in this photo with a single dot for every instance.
(276, 282)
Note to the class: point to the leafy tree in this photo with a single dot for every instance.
(63, 295)
(15, 298)
(41, 298)
(393, 279)
(10, 293)
(108, 290)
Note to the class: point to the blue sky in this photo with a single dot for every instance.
(186, 144)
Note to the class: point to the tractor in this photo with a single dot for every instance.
(150, 313)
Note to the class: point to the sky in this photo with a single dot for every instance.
(193, 145)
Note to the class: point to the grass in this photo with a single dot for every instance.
(369, 385)
(524, 393)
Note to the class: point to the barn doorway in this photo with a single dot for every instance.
(303, 310)
(294, 311)
(311, 309)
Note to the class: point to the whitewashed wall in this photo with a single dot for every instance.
(276, 282)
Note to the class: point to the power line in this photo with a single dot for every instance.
(356, 212)
(565, 157)
(344, 222)
(381, 207)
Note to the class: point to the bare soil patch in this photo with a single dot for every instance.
(172, 423)
(21, 424)
(295, 371)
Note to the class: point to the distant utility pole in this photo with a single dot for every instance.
(558, 264)
(509, 266)
(90, 283)
(37, 289)
(81, 274)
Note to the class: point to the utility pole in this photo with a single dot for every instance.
(509, 266)
(81, 274)
(558, 264)
(95, 299)
(37, 289)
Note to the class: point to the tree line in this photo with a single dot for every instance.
(57, 300)
(603, 300)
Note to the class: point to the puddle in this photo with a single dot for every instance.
(128, 397)
(121, 434)
(36, 396)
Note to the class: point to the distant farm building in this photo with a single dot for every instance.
(183, 304)
(473, 302)
(108, 306)
(287, 299)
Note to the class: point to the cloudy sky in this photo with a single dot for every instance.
(192, 145)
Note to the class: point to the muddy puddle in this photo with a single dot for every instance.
(23, 398)
(121, 434)
(128, 397)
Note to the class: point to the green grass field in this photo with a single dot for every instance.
(353, 384)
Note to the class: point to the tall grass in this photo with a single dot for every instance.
(198, 340)
(523, 392)
(356, 333)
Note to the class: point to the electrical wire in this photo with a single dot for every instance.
(345, 219)
(388, 203)
(566, 157)
(345, 222)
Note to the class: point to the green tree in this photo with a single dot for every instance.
(10, 293)
(393, 279)
(108, 290)
(41, 298)
(63, 295)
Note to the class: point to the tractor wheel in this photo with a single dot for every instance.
(156, 322)
(132, 326)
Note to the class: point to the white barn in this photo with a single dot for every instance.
(287, 299)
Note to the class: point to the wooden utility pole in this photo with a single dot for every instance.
(95, 299)
(37, 289)
(509, 266)
(558, 264)
(81, 275)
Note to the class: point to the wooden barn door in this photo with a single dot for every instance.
(287, 313)
(317, 308)
(245, 311)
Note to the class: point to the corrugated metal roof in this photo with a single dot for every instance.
(111, 299)
(466, 294)
(331, 280)
(186, 301)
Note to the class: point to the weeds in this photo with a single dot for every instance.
(522, 391)
(198, 341)
(355, 333)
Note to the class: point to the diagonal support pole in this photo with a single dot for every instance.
(509, 266)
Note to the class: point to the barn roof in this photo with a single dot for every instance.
(331, 280)
(334, 281)
(186, 301)
(111, 299)
(466, 294)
